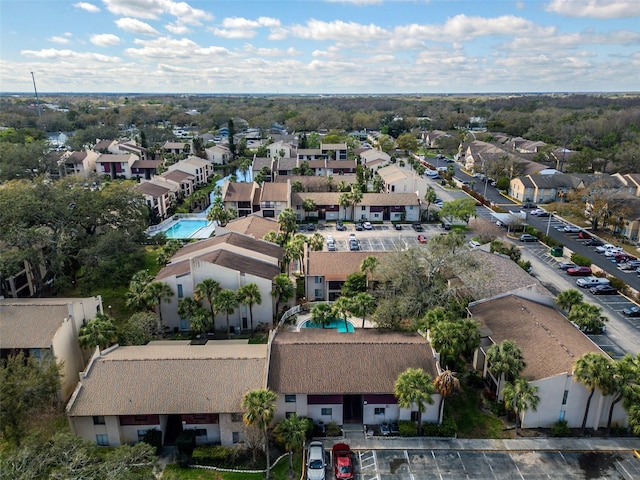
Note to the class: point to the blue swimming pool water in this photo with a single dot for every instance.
(335, 323)
(185, 228)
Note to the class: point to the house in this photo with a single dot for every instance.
(116, 165)
(397, 180)
(431, 137)
(233, 260)
(265, 166)
(200, 168)
(280, 149)
(521, 145)
(243, 197)
(334, 151)
(543, 188)
(374, 158)
(388, 207)
(184, 181)
(340, 167)
(550, 345)
(312, 183)
(252, 225)
(130, 146)
(167, 386)
(78, 163)
(218, 154)
(48, 328)
(274, 198)
(177, 148)
(326, 272)
(346, 377)
(159, 198)
(286, 165)
(145, 168)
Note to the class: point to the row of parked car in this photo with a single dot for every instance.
(342, 458)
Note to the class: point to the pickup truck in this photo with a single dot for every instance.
(591, 281)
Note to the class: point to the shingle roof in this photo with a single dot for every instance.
(153, 379)
(177, 175)
(253, 225)
(232, 238)
(337, 265)
(151, 189)
(146, 164)
(287, 163)
(260, 162)
(368, 199)
(549, 343)
(274, 192)
(240, 263)
(75, 158)
(318, 361)
(30, 326)
(239, 192)
(113, 158)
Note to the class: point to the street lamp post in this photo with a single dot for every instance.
(549, 222)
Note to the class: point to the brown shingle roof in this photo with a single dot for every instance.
(253, 225)
(239, 192)
(150, 188)
(146, 164)
(275, 192)
(232, 238)
(177, 175)
(153, 379)
(317, 361)
(75, 158)
(549, 343)
(337, 265)
(30, 326)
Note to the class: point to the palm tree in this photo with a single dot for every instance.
(207, 290)
(623, 379)
(294, 250)
(250, 295)
(587, 316)
(297, 186)
(363, 304)
(446, 383)
(316, 242)
(414, 386)
(368, 267)
(287, 222)
(356, 197)
(453, 338)
(340, 309)
(159, 292)
(344, 201)
(226, 302)
(567, 299)
(99, 332)
(283, 290)
(505, 360)
(321, 314)
(292, 432)
(591, 371)
(521, 397)
(191, 309)
(308, 205)
(259, 409)
(137, 297)
(429, 197)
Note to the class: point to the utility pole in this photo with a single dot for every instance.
(36, 90)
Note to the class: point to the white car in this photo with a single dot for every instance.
(605, 247)
(613, 252)
(367, 226)
(330, 238)
(316, 462)
(474, 244)
(352, 236)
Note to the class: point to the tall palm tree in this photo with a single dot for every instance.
(207, 290)
(308, 205)
(521, 397)
(321, 314)
(287, 222)
(446, 383)
(587, 316)
(567, 299)
(591, 371)
(226, 302)
(344, 201)
(259, 409)
(160, 292)
(430, 196)
(99, 332)
(356, 197)
(192, 310)
(414, 386)
(340, 309)
(137, 297)
(452, 338)
(291, 432)
(505, 361)
(250, 295)
(283, 290)
(363, 304)
(316, 242)
(623, 381)
(294, 250)
(368, 267)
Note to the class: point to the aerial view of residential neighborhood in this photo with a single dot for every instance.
(321, 239)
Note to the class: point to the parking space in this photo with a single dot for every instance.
(497, 465)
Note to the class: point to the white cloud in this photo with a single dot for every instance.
(177, 28)
(105, 40)
(87, 7)
(224, 33)
(339, 31)
(54, 54)
(182, 50)
(154, 9)
(357, 2)
(136, 26)
(59, 40)
(601, 9)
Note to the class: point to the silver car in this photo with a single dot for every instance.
(316, 462)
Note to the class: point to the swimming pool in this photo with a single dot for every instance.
(335, 323)
(185, 227)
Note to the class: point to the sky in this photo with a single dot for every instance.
(320, 46)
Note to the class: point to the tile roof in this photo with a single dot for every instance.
(244, 242)
(30, 326)
(337, 265)
(253, 225)
(549, 343)
(316, 361)
(153, 379)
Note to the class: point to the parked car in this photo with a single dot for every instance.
(579, 271)
(352, 236)
(623, 257)
(603, 290)
(417, 227)
(631, 311)
(331, 246)
(340, 226)
(566, 265)
(603, 248)
(613, 252)
(311, 227)
(422, 239)
(583, 235)
(591, 281)
(630, 265)
(367, 226)
(572, 229)
(359, 227)
(316, 462)
(528, 205)
(525, 237)
(474, 244)
(593, 242)
(342, 462)
(354, 245)
(446, 225)
(397, 226)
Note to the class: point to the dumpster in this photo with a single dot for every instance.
(557, 251)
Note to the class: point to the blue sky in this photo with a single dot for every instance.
(320, 46)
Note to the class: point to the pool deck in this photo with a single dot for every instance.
(355, 321)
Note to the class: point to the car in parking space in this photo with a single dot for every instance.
(566, 265)
(593, 242)
(340, 226)
(579, 271)
(316, 461)
(367, 226)
(624, 257)
(422, 239)
(359, 227)
(633, 311)
(630, 265)
(607, 246)
(572, 229)
(311, 227)
(331, 246)
(342, 462)
(583, 235)
(417, 227)
(352, 236)
(603, 290)
(354, 245)
(613, 252)
(528, 205)
(526, 237)
(536, 211)
(592, 281)
(474, 244)
(397, 226)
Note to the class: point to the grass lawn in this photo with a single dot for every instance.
(473, 422)
(279, 472)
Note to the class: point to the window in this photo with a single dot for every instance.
(290, 398)
(562, 413)
(184, 324)
(326, 411)
(180, 293)
(363, 208)
(102, 440)
(565, 396)
(318, 293)
(98, 420)
(235, 437)
(201, 432)
(410, 207)
(236, 417)
(378, 411)
(414, 416)
(318, 279)
(141, 434)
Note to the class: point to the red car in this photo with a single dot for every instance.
(422, 239)
(580, 271)
(584, 235)
(342, 464)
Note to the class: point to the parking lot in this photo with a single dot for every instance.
(498, 465)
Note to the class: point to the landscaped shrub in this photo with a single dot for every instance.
(560, 429)
(472, 379)
(333, 430)
(407, 428)
(447, 429)
(154, 438)
(619, 285)
(186, 442)
(215, 456)
(580, 260)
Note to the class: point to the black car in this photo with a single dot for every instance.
(397, 226)
(593, 242)
(566, 265)
(528, 205)
(632, 311)
(311, 227)
(417, 227)
(603, 290)
(340, 226)
(359, 227)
